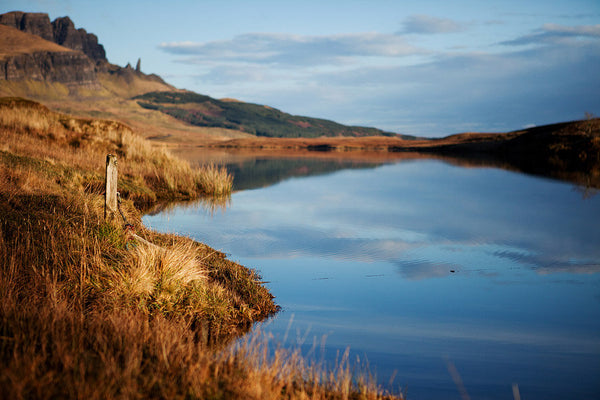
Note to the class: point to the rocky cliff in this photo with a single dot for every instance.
(55, 51)
(60, 31)
(25, 56)
(63, 67)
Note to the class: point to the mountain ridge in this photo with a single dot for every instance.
(40, 41)
(87, 66)
(255, 119)
(26, 56)
(61, 31)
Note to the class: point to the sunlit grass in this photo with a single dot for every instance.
(215, 180)
(82, 143)
(91, 310)
(294, 375)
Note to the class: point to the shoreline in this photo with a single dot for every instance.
(89, 310)
(567, 151)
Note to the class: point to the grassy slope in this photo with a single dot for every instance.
(191, 120)
(254, 119)
(14, 42)
(568, 151)
(111, 99)
(107, 103)
(187, 122)
(89, 311)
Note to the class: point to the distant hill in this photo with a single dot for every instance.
(254, 119)
(66, 68)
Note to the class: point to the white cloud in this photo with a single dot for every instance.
(459, 92)
(553, 33)
(270, 48)
(382, 80)
(426, 24)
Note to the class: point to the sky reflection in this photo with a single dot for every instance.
(433, 215)
(413, 262)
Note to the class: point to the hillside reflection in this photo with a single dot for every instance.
(261, 168)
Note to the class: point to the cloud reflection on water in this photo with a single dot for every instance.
(463, 330)
(426, 218)
(365, 258)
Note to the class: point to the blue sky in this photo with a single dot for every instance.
(427, 67)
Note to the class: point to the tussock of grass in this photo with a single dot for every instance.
(90, 311)
(216, 180)
(156, 278)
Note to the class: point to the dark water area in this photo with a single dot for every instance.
(256, 173)
(447, 279)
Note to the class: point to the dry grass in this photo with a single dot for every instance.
(295, 376)
(112, 100)
(89, 311)
(156, 277)
(216, 180)
(131, 85)
(35, 89)
(146, 171)
(13, 42)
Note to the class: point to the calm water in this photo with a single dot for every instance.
(420, 267)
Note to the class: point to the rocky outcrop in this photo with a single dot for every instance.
(66, 35)
(128, 74)
(34, 23)
(68, 67)
(60, 31)
(34, 60)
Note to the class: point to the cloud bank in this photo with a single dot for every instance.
(396, 82)
(294, 50)
(553, 33)
(425, 24)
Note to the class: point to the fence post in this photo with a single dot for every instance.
(110, 195)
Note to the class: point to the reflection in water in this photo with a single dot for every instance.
(257, 173)
(417, 263)
(256, 168)
(208, 205)
(586, 191)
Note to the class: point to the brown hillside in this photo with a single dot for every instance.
(14, 42)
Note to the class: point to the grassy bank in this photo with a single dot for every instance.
(88, 310)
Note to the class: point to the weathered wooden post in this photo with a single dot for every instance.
(110, 195)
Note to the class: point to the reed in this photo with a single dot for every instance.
(276, 372)
(215, 180)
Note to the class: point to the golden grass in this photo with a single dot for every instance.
(14, 42)
(131, 86)
(294, 375)
(82, 143)
(157, 279)
(32, 119)
(89, 311)
(216, 180)
(34, 89)
(104, 102)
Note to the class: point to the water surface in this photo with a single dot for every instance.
(420, 267)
